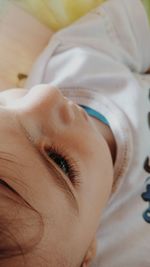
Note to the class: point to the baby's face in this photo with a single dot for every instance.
(59, 163)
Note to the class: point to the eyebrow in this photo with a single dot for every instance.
(57, 177)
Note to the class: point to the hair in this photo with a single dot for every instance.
(14, 240)
(13, 229)
(12, 247)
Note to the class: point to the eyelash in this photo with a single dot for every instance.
(4, 184)
(72, 171)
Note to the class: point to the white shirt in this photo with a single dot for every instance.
(100, 61)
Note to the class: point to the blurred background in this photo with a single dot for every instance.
(26, 27)
(57, 14)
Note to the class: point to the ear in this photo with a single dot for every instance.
(90, 254)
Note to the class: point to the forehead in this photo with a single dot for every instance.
(9, 130)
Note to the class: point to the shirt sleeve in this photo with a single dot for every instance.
(118, 29)
(113, 38)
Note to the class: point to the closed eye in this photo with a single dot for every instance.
(4, 184)
(67, 165)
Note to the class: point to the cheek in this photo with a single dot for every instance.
(98, 179)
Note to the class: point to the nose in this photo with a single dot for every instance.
(59, 107)
(47, 104)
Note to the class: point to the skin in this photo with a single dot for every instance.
(49, 118)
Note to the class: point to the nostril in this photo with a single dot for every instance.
(67, 113)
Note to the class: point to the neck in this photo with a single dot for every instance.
(108, 136)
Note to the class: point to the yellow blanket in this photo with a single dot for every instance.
(57, 14)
